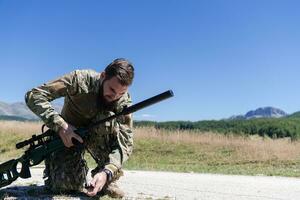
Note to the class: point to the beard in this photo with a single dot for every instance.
(104, 101)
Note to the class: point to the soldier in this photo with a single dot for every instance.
(88, 97)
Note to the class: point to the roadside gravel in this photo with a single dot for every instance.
(169, 185)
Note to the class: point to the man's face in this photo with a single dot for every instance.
(113, 90)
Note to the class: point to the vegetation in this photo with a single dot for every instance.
(14, 118)
(186, 151)
(270, 127)
(207, 152)
(266, 127)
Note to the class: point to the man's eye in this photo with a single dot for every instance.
(111, 89)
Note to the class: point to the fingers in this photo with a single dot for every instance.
(66, 142)
(63, 135)
(77, 137)
(97, 184)
(93, 191)
(93, 183)
(68, 136)
(67, 133)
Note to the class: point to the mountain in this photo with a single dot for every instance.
(295, 115)
(19, 110)
(264, 112)
(14, 118)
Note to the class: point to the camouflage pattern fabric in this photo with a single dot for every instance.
(110, 144)
(65, 171)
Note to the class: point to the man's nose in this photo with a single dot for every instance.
(113, 96)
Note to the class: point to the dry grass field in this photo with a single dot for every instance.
(245, 148)
(12, 132)
(186, 151)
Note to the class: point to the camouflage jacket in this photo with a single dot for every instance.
(81, 89)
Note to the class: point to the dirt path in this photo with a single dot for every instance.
(168, 185)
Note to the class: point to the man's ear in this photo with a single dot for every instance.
(103, 75)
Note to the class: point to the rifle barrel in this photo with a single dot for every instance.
(137, 106)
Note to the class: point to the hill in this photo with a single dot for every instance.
(262, 112)
(288, 126)
(20, 111)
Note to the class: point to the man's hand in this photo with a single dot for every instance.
(96, 184)
(66, 134)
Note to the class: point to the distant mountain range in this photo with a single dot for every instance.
(20, 111)
(264, 112)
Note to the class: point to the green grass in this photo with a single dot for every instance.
(151, 154)
(182, 151)
(188, 152)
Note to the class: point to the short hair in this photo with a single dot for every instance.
(122, 69)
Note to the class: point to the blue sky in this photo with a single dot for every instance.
(220, 57)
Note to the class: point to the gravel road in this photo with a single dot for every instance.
(169, 185)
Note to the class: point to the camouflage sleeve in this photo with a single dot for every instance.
(38, 99)
(124, 144)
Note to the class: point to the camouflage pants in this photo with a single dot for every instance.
(66, 170)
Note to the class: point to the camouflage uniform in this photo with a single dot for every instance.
(110, 144)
